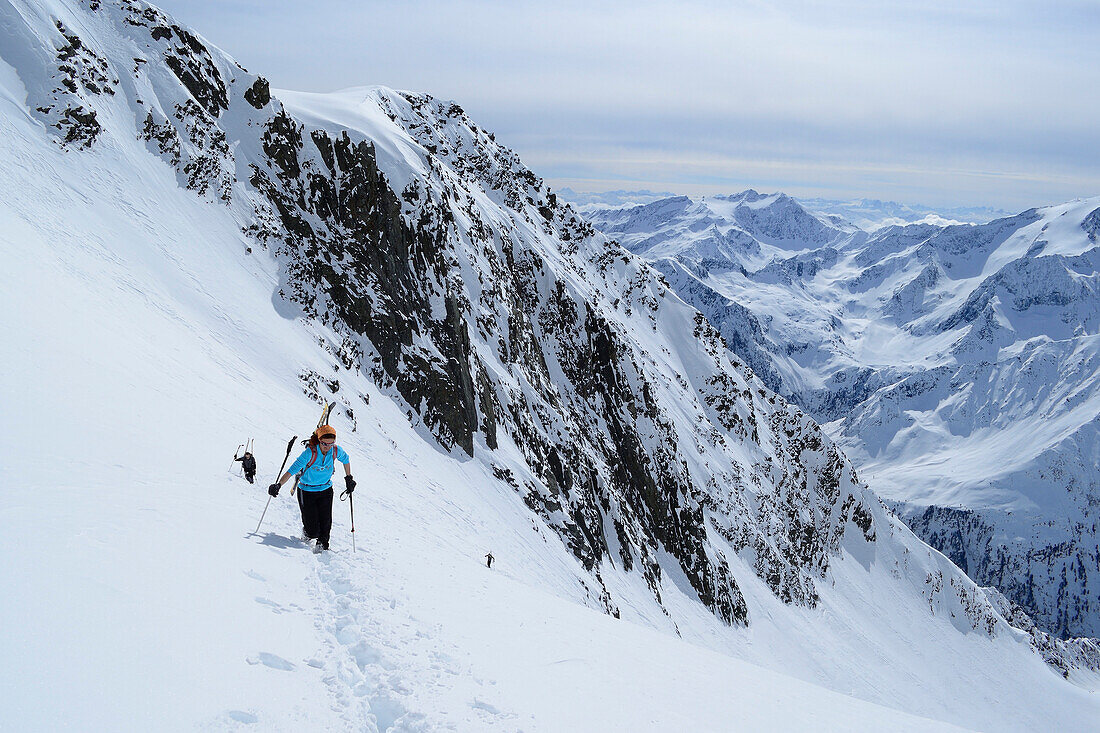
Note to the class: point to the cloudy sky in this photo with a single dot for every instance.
(944, 103)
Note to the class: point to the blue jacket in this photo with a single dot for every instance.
(318, 477)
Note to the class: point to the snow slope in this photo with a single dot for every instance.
(147, 334)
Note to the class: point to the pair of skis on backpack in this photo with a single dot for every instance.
(325, 412)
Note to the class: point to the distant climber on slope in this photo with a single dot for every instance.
(248, 463)
(317, 463)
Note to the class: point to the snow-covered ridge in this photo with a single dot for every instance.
(491, 353)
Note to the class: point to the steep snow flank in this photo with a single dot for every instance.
(358, 109)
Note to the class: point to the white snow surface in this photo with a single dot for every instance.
(143, 343)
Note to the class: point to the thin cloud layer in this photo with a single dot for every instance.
(987, 104)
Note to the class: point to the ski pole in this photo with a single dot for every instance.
(351, 506)
(263, 515)
(235, 456)
(280, 473)
(249, 446)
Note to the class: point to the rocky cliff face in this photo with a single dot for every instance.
(496, 314)
(1053, 580)
(956, 364)
(506, 326)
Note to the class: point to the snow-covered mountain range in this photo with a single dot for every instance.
(957, 365)
(192, 257)
(867, 214)
(872, 214)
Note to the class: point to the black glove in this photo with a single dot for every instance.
(350, 483)
(274, 489)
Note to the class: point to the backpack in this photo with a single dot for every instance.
(313, 452)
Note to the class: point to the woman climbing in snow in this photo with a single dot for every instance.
(317, 463)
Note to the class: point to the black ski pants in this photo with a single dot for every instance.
(316, 509)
